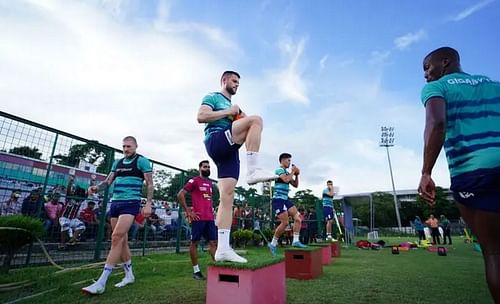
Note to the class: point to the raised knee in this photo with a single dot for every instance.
(257, 120)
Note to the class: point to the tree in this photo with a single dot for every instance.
(443, 205)
(305, 198)
(89, 152)
(26, 151)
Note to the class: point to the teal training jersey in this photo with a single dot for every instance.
(281, 188)
(472, 120)
(327, 198)
(129, 188)
(217, 101)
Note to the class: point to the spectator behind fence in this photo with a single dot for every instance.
(53, 211)
(138, 224)
(304, 237)
(433, 223)
(12, 206)
(419, 228)
(32, 203)
(313, 225)
(89, 218)
(69, 222)
(445, 225)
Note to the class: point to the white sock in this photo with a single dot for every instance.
(105, 274)
(252, 161)
(127, 268)
(295, 237)
(223, 240)
(274, 242)
(329, 235)
(70, 233)
(196, 268)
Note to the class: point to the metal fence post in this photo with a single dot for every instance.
(179, 221)
(102, 215)
(44, 189)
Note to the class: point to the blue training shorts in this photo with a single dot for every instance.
(478, 190)
(328, 213)
(205, 229)
(281, 205)
(224, 152)
(124, 207)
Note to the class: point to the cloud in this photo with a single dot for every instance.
(408, 39)
(289, 80)
(76, 67)
(471, 10)
(322, 62)
(379, 57)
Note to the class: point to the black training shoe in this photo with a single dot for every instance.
(198, 276)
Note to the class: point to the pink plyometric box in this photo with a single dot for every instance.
(326, 253)
(246, 286)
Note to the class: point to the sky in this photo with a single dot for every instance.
(324, 76)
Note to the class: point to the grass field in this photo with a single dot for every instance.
(358, 276)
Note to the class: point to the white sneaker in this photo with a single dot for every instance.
(126, 280)
(94, 289)
(259, 175)
(229, 256)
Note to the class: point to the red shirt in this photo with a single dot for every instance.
(139, 218)
(201, 194)
(87, 215)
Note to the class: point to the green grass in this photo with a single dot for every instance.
(358, 276)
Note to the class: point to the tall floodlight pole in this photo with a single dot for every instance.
(387, 140)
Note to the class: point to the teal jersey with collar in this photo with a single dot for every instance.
(327, 199)
(217, 102)
(129, 188)
(281, 188)
(472, 139)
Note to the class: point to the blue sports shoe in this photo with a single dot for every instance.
(274, 249)
(298, 245)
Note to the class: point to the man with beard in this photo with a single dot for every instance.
(227, 128)
(201, 215)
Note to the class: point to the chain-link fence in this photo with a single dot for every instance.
(44, 173)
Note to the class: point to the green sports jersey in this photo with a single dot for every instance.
(217, 101)
(129, 188)
(281, 188)
(472, 139)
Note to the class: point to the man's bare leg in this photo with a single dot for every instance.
(486, 226)
(248, 130)
(224, 218)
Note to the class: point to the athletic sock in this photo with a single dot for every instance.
(127, 268)
(295, 237)
(105, 274)
(274, 242)
(329, 235)
(252, 161)
(196, 268)
(223, 240)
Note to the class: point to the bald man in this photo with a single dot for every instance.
(463, 114)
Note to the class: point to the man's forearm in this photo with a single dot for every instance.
(102, 186)
(433, 142)
(150, 193)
